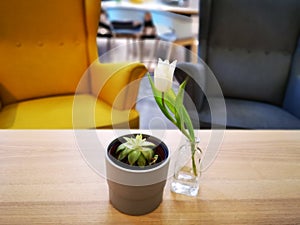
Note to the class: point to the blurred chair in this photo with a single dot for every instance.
(48, 48)
(104, 31)
(176, 28)
(253, 48)
(126, 23)
(149, 28)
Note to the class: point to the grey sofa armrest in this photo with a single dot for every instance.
(196, 85)
(292, 96)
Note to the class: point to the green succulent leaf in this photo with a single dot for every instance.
(147, 144)
(129, 145)
(148, 153)
(128, 140)
(121, 147)
(141, 161)
(133, 156)
(124, 153)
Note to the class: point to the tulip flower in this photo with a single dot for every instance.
(170, 103)
(163, 75)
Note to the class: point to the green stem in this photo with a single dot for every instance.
(186, 134)
(193, 145)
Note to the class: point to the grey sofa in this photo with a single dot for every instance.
(253, 49)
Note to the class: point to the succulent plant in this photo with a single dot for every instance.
(137, 150)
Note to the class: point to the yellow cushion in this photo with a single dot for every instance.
(53, 112)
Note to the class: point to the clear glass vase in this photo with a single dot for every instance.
(187, 171)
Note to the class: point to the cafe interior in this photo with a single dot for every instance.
(50, 49)
(76, 75)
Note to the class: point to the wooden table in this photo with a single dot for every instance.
(254, 180)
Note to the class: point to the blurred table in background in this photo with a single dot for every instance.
(189, 8)
(186, 7)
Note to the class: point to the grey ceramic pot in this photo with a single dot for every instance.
(134, 190)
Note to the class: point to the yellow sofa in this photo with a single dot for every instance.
(50, 76)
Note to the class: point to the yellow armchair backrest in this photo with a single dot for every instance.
(45, 46)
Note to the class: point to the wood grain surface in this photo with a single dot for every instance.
(255, 179)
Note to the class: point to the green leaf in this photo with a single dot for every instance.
(127, 139)
(173, 103)
(170, 98)
(120, 148)
(182, 117)
(180, 95)
(129, 145)
(189, 124)
(148, 153)
(184, 114)
(141, 161)
(179, 118)
(179, 106)
(133, 156)
(147, 144)
(124, 153)
(158, 95)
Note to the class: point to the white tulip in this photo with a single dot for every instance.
(163, 75)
